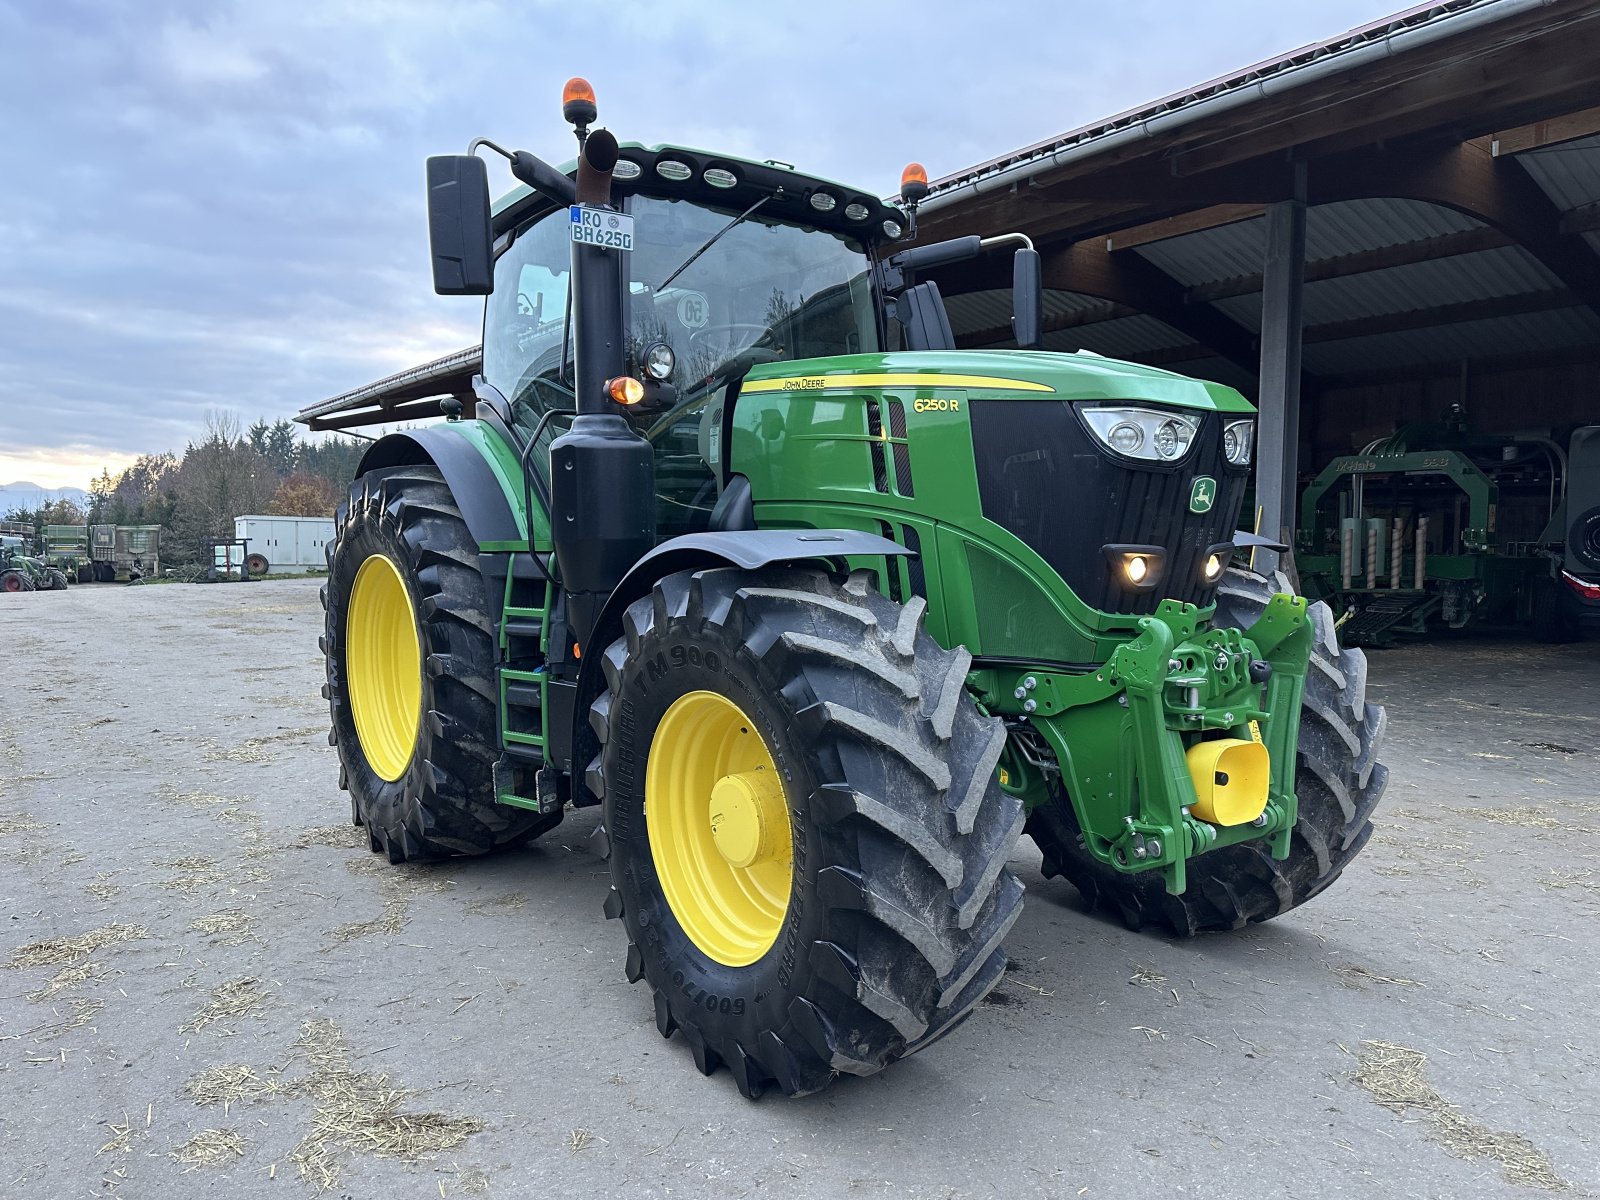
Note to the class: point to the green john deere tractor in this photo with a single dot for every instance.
(730, 541)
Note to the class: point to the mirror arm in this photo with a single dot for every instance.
(533, 171)
(1001, 239)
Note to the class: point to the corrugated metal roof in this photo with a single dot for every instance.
(1520, 334)
(1508, 271)
(1568, 173)
(1351, 226)
(1211, 254)
(1124, 337)
(1332, 231)
(1252, 77)
(439, 377)
(972, 311)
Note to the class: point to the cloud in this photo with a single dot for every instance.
(219, 205)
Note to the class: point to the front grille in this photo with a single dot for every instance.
(1042, 476)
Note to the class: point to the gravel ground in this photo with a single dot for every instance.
(208, 982)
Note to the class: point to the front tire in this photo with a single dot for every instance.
(1338, 781)
(891, 829)
(410, 661)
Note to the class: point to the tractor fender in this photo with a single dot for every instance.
(472, 481)
(746, 549)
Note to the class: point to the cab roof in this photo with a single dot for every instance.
(670, 172)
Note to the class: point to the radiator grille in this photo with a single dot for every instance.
(1042, 476)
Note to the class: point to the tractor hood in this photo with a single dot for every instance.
(1014, 374)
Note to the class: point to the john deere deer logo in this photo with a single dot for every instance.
(1203, 494)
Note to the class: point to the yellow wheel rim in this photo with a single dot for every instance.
(719, 828)
(383, 666)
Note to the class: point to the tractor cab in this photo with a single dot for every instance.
(732, 264)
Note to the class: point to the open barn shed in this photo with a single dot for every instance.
(1399, 225)
(1389, 240)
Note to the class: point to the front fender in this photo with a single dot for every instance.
(487, 503)
(745, 549)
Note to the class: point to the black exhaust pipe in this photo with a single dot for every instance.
(602, 473)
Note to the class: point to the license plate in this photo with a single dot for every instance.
(599, 227)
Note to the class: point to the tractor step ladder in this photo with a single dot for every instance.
(519, 686)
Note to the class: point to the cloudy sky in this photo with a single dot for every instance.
(220, 205)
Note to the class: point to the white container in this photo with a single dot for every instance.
(287, 543)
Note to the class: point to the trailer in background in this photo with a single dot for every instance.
(124, 552)
(285, 544)
(66, 547)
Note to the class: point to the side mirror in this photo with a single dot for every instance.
(459, 231)
(1027, 300)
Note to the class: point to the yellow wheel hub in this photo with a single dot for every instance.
(718, 823)
(383, 666)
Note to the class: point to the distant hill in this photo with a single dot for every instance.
(30, 495)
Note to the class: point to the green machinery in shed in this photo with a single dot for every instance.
(729, 540)
(1437, 528)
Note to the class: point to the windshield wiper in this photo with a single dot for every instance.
(715, 237)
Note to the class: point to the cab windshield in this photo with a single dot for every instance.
(764, 292)
(773, 290)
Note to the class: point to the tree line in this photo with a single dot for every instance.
(226, 473)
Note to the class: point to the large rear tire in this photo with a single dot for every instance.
(410, 660)
(1337, 778)
(861, 917)
(15, 581)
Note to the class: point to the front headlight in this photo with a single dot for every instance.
(1238, 439)
(1151, 434)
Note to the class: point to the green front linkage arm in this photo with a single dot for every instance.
(1120, 734)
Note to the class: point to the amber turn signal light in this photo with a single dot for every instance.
(625, 389)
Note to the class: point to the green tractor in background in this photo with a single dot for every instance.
(20, 571)
(822, 612)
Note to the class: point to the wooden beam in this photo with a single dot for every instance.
(1176, 226)
(1583, 219)
(1550, 132)
(1088, 268)
(1115, 198)
(1444, 314)
(1130, 280)
(1448, 245)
